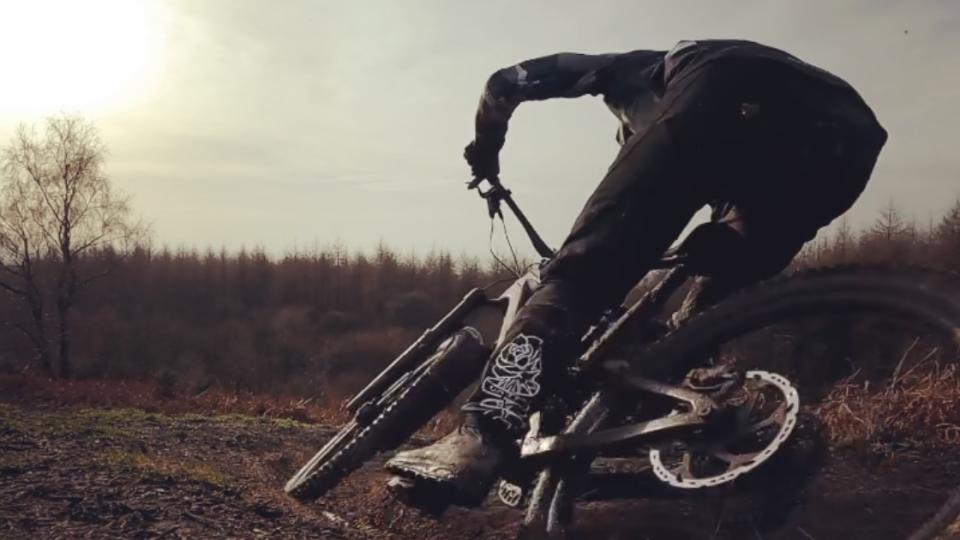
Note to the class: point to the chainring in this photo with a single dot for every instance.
(711, 463)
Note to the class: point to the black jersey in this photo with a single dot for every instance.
(631, 83)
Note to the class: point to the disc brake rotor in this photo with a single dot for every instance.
(761, 424)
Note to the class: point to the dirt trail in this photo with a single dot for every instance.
(124, 473)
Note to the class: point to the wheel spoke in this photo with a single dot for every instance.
(743, 412)
(777, 417)
(685, 470)
(735, 460)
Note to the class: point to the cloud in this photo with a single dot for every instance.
(346, 119)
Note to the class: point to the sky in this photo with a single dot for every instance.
(294, 124)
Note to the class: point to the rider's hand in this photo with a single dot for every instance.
(484, 161)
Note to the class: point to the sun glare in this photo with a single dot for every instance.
(77, 56)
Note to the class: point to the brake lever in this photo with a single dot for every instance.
(475, 183)
(498, 193)
(494, 195)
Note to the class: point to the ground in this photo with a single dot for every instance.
(125, 473)
(74, 472)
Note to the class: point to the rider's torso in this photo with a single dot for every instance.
(634, 82)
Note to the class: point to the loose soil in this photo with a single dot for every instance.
(68, 472)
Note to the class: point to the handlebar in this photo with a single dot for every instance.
(497, 193)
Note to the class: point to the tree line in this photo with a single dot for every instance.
(892, 239)
(249, 322)
(83, 295)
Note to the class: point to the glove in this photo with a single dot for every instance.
(484, 162)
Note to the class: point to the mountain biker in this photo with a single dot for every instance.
(777, 147)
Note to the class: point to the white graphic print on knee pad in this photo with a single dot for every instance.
(512, 382)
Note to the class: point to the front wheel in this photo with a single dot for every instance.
(886, 398)
(391, 419)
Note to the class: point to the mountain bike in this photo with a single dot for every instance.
(714, 410)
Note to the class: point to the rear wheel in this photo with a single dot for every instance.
(886, 410)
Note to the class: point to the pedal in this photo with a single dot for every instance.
(510, 494)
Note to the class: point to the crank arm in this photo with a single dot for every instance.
(700, 408)
(573, 442)
(699, 403)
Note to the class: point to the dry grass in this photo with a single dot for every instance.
(151, 397)
(179, 468)
(920, 407)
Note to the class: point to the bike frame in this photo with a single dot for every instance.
(509, 303)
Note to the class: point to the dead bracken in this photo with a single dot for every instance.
(922, 407)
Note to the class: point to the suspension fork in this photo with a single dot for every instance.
(420, 349)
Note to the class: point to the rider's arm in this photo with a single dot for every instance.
(557, 75)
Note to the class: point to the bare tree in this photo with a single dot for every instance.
(843, 240)
(890, 237)
(22, 250)
(946, 238)
(890, 225)
(59, 205)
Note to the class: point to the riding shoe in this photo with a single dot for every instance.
(460, 468)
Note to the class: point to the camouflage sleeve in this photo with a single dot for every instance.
(557, 75)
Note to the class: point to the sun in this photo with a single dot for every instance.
(77, 56)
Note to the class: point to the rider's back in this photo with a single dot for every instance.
(689, 56)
